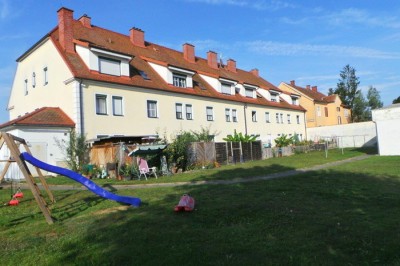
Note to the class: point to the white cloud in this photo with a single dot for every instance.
(255, 4)
(297, 49)
(4, 9)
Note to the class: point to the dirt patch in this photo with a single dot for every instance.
(112, 210)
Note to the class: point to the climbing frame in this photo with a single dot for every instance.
(12, 142)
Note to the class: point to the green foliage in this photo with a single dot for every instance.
(203, 134)
(75, 151)
(374, 98)
(360, 111)
(239, 137)
(284, 141)
(176, 151)
(397, 100)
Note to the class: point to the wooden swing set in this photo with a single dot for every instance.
(13, 143)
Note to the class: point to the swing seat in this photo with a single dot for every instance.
(19, 195)
(13, 202)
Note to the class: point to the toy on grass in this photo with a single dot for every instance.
(15, 195)
(186, 203)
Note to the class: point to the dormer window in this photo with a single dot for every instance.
(295, 99)
(274, 95)
(227, 86)
(181, 78)
(250, 90)
(109, 66)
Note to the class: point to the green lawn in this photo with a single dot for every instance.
(346, 215)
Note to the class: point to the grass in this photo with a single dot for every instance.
(248, 169)
(346, 215)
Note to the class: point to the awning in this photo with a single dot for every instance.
(147, 149)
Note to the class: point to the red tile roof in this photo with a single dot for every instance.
(120, 43)
(314, 94)
(45, 116)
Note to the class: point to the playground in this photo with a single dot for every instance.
(343, 214)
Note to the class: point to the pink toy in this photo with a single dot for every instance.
(186, 203)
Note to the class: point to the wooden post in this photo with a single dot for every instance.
(15, 153)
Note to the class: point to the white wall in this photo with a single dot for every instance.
(42, 143)
(348, 135)
(387, 121)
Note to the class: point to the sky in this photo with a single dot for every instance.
(309, 41)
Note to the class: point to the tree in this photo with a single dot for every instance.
(374, 98)
(397, 100)
(75, 150)
(359, 110)
(347, 87)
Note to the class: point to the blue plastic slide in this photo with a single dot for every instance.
(81, 179)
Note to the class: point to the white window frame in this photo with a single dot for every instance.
(298, 119)
(281, 116)
(99, 105)
(179, 80)
(277, 117)
(267, 117)
(226, 88)
(189, 111)
(288, 119)
(115, 111)
(318, 110)
(227, 114)
(152, 112)
(234, 115)
(45, 76)
(248, 92)
(274, 97)
(254, 116)
(179, 111)
(33, 80)
(26, 92)
(210, 113)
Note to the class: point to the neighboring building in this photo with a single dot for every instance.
(321, 110)
(387, 120)
(111, 84)
(41, 129)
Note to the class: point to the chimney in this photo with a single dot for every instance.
(65, 31)
(212, 59)
(188, 52)
(255, 72)
(308, 87)
(231, 65)
(293, 83)
(314, 88)
(86, 21)
(137, 37)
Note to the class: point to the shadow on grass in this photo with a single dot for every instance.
(328, 217)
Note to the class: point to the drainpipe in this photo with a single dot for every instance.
(81, 107)
(245, 119)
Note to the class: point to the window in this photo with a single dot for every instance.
(254, 116)
(109, 66)
(101, 104)
(117, 105)
(178, 111)
(26, 87)
(281, 115)
(209, 112)
(179, 80)
(267, 117)
(295, 101)
(228, 115)
(346, 112)
(45, 77)
(298, 119)
(189, 112)
(338, 109)
(234, 115)
(277, 118)
(318, 111)
(326, 111)
(226, 88)
(274, 97)
(249, 93)
(33, 80)
(288, 119)
(339, 120)
(152, 109)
